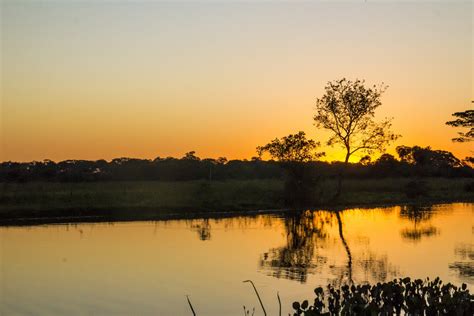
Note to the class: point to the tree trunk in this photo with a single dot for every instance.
(339, 178)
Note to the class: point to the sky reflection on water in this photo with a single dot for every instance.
(148, 267)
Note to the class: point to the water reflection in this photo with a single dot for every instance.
(420, 218)
(311, 237)
(372, 266)
(147, 268)
(464, 264)
(203, 229)
(346, 247)
(305, 233)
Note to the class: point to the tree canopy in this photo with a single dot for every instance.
(292, 148)
(463, 119)
(420, 156)
(347, 109)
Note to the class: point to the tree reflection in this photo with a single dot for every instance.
(306, 233)
(293, 261)
(203, 229)
(372, 266)
(420, 217)
(464, 265)
(366, 264)
(346, 246)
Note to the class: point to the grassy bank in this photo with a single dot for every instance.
(143, 199)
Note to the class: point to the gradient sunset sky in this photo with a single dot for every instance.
(106, 79)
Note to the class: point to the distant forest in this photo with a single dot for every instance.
(411, 162)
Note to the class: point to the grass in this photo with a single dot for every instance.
(392, 190)
(103, 198)
(142, 199)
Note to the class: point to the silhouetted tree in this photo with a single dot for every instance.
(427, 157)
(386, 165)
(347, 109)
(386, 159)
(463, 119)
(365, 160)
(191, 156)
(469, 161)
(221, 160)
(415, 161)
(405, 153)
(294, 152)
(292, 148)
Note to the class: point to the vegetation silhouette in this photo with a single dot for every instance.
(426, 157)
(402, 295)
(413, 297)
(466, 120)
(292, 152)
(347, 110)
(292, 148)
(419, 161)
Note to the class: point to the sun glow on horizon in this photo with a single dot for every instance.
(85, 80)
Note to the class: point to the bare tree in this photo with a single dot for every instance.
(347, 109)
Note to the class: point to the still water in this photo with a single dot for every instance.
(148, 268)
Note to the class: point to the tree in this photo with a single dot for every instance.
(420, 156)
(469, 161)
(292, 148)
(385, 165)
(294, 151)
(222, 160)
(463, 119)
(347, 109)
(191, 155)
(365, 161)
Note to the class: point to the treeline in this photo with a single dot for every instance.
(411, 161)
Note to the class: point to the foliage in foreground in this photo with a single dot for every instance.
(397, 297)
(415, 297)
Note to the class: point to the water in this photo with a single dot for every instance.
(147, 268)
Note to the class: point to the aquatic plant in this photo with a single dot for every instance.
(410, 297)
(397, 297)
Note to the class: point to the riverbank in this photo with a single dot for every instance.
(148, 200)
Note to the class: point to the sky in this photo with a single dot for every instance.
(107, 79)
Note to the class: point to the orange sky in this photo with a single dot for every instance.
(141, 79)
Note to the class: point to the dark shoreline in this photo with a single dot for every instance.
(128, 215)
